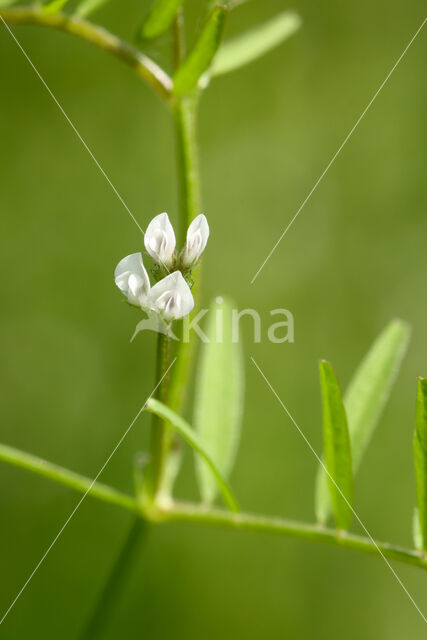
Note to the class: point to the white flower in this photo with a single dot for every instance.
(132, 279)
(197, 237)
(171, 297)
(160, 240)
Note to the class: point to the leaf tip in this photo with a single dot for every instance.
(290, 15)
(403, 325)
(325, 366)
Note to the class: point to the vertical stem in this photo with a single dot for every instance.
(185, 115)
(160, 432)
(165, 450)
(118, 577)
(161, 437)
(179, 38)
(185, 120)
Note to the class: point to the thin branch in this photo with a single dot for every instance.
(100, 37)
(198, 514)
(68, 478)
(187, 512)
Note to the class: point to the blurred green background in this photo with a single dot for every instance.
(71, 382)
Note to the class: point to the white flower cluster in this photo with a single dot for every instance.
(171, 298)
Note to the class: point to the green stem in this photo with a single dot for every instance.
(117, 579)
(193, 513)
(160, 437)
(68, 478)
(185, 116)
(185, 121)
(179, 38)
(100, 37)
(187, 512)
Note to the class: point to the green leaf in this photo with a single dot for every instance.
(420, 458)
(255, 43)
(416, 531)
(200, 57)
(54, 7)
(371, 385)
(336, 441)
(183, 428)
(159, 18)
(365, 400)
(86, 7)
(219, 397)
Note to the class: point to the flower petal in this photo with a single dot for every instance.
(197, 237)
(160, 240)
(132, 279)
(171, 297)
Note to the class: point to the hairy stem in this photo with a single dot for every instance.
(117, 579)
(100, 37)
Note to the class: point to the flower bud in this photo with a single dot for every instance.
(132, 279)
(160, 240)
(197, 237)
(171, 297)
